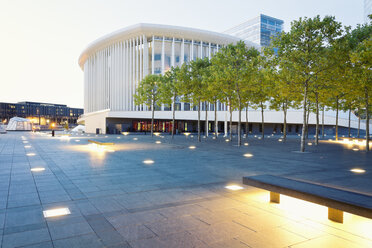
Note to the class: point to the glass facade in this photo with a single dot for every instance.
(258, 30)
(39, 112)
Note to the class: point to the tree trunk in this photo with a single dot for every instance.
(152, 118)
(367, 119)
(285, 121)
(174, 114)
(206, 119)
(317, 120)
(246, 122)
(263, 121)
(230, 108)
(323, 123)
(336, 131)
(215, 120)
(199, 121)
(358, 122)
(307, 120)
(239, 124)
(304, 120)
(349, 122)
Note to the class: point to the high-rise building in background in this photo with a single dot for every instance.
(367, 10)
(258, 30)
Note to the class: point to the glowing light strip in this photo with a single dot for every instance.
(56, 212)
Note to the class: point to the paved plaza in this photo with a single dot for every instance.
(157, 192)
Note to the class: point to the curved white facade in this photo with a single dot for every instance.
(115, 64)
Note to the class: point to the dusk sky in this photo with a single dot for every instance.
(41, 40)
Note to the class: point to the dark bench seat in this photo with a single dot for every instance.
(337, 200)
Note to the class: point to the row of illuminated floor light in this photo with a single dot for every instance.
(49, 213)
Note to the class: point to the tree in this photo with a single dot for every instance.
(212, 92)
(169, 91)
(303, 48)
(362, 60)
(262, 87)
(147, 93)
(192, 81)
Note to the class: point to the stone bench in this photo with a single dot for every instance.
(100, 143)
(337, 200)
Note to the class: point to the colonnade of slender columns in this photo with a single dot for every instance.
(112, 74)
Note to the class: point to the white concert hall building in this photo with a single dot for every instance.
(114, 65)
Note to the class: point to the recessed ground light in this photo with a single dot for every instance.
(255, 136)
(259, 138)
(158, 142)
(355, 149)
(37, 169)
(227, 140)
(192, 147)
(135, 138)
(148, 161)
(357, 170)
(246, 144)
(248, 155)
(31, 154)
(156, 134)
(118, 137)
(213, 137)
(192, 136)
(28, 146)
(310, 144)
(234, 187)
(280, 140)
(125, 133)
(56, 212)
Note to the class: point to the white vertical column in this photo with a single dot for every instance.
(173, 55)
(145, 56)
(145, 62)
(192, 51)
(183, 52)
(209, 51)
(162, 62)
(201, 49)
(126, 85)
(133, 72)
(140, 65)
(162, 56)
(153, 55)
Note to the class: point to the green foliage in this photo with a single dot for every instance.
(147, 90)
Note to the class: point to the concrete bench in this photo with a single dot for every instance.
(100, 143)
(337, 200)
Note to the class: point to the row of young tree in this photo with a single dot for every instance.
(317, 65)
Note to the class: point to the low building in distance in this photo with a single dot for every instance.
(40, 113)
